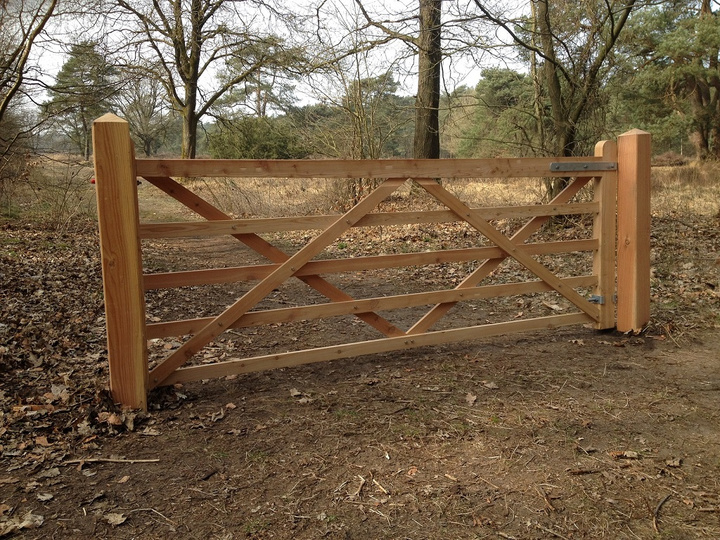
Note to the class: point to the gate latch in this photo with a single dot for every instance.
(595, 299)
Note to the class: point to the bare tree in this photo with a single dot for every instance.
(144, 105)
(21, 23)
(426, 41)
(192, 39)
(420, 40)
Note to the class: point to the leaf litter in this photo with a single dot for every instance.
(73, 463)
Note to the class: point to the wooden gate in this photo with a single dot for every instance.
(619, 175)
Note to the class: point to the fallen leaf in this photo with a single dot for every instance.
(115, 420)
(553, 307)
(129, 421)
(31, 486)
(624, 454)
(123, 479)
(50, 473)
(9, 480)
(294, 392)
(44, 497)
(490, 385)
(470, 398)
(675, 462)
(42, 441)
(115, 519)
(28, 521)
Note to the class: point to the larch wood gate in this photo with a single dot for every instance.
(619, 174)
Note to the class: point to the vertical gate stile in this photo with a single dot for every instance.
(118, 223)
(633, 252)
(605, 194)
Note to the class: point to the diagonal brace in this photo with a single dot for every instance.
(263, 247)
(485, 269)
(251, 298)
(507, 245)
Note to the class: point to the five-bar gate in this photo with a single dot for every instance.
(619, 175)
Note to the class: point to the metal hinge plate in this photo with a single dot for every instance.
(576, 166)
(595, 299)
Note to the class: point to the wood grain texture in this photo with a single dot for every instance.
(188, 349)
(353, 307)
(263, 247)
(217, 276)
(184, 229)
(296, 358)
(633, 250)
(489, 266)
(367, 168)
(116, 188)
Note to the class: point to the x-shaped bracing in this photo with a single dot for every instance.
(289, 265)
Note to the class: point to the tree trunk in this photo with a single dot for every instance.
(426, 144)
(87, 139)
(190, 122)
(563, 132)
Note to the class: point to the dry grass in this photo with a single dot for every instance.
(57, 192)
(692, 189)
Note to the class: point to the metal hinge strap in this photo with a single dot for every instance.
(579, 166)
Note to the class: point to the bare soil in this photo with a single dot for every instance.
(563, 434)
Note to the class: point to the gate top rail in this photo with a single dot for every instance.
(372, 168)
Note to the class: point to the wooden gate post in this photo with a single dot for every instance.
(633, 252)
(118, 221)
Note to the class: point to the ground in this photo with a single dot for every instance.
(571, 433)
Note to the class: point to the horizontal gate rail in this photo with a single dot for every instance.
(348, 350)
(186, 229)
(367, 168)
(190, 278)
(366, 305)
(125, 284)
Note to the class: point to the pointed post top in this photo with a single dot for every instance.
(635, 131)
(110, 117)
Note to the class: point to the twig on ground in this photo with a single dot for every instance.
(155, 511)
(108, 460)
(489, 483)
(545, 497)
(359, 489)
(656, 514)
(550, 531)
(385, 491)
